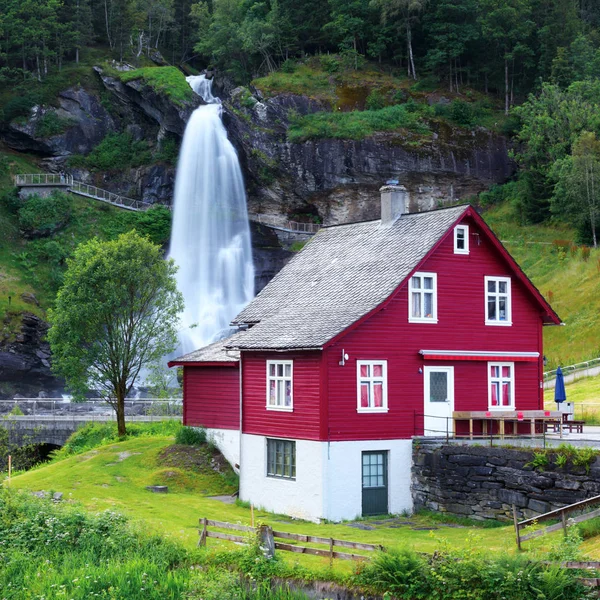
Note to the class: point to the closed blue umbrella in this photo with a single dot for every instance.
(560, 395)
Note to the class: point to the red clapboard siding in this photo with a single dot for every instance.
(461, 315)
(305, 420)
(211, 397)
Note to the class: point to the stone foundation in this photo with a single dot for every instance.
(483, 483)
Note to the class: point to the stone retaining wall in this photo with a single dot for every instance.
(484, 483)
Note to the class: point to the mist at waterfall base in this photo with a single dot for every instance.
(210, 238)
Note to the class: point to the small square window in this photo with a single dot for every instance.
(279, 385)
(281, 459)
(372, 386)
(461, 239)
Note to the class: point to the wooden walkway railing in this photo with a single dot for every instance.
(559, 513)
(267, 537)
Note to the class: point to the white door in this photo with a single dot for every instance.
(439, 400)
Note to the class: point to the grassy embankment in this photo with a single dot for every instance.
(114, 476)
(359, 103)
(568, 279)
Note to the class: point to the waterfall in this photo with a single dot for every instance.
(210, 239)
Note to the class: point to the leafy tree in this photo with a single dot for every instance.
(405, 13)
(508, 24)
(451, 26)
(116, 313)
(577, 192)
(552, 122)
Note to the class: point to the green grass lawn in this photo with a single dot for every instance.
(585, 393)
(115, 477)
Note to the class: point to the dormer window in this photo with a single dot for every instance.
(461, 239)
(422, 298)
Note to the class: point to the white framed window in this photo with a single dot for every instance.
(501, 386)
(281, 458)
(461, 239)
(279, 385)
(371, 378)
(422, 298)
(497, 301)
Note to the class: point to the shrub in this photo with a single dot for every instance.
(329, 63)
(168, 81)
(11, 200)
(585, 253)
(168, 151)
(355, 125)
(375, 100)
(288, 66)
(43, 216)
(190, 436)
(462, 113)
(118, 151)
(51, 124)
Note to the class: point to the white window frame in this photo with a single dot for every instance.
(500, 380)
(433, 318)
(496, 295)
(465, 230)
(372, 379)
(293, 465)
(278, 378)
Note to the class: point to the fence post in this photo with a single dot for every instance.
(563, 517)
(330, 553)
(517, 532)
(266, 540)
(202, 540)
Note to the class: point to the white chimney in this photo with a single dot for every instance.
(394, 202)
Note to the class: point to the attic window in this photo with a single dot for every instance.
(461, 239)
(422, 298)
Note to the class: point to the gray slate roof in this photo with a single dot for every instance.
(343, 273)
(215, 352)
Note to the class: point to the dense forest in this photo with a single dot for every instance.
(536, 60)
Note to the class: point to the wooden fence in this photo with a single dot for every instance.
(267, 539)
(559, 513)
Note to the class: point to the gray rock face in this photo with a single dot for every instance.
(25, 360)
(138, 97)
(83, 120)
(341, 178)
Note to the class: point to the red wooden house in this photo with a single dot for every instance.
(375, 332)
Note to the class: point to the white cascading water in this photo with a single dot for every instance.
(210, 239)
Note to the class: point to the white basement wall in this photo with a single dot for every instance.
(328, 482)
(228, 442)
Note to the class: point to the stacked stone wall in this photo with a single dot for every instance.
(484, 483)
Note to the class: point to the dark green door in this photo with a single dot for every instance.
(374, 483)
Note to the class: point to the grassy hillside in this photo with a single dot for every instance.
(35, 265)
(567, 276)
(114, 476)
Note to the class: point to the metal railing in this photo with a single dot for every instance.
(582, 366)
(43, 179)
(95, 409)
(80, 188)
(285, 225)
(91, 191)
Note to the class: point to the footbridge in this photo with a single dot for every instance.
(45, 183)
(53, 420)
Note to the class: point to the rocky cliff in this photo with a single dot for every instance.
(337, 180)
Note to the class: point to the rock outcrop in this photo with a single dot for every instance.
(78, 124)
(25, 359)
(338, 179)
